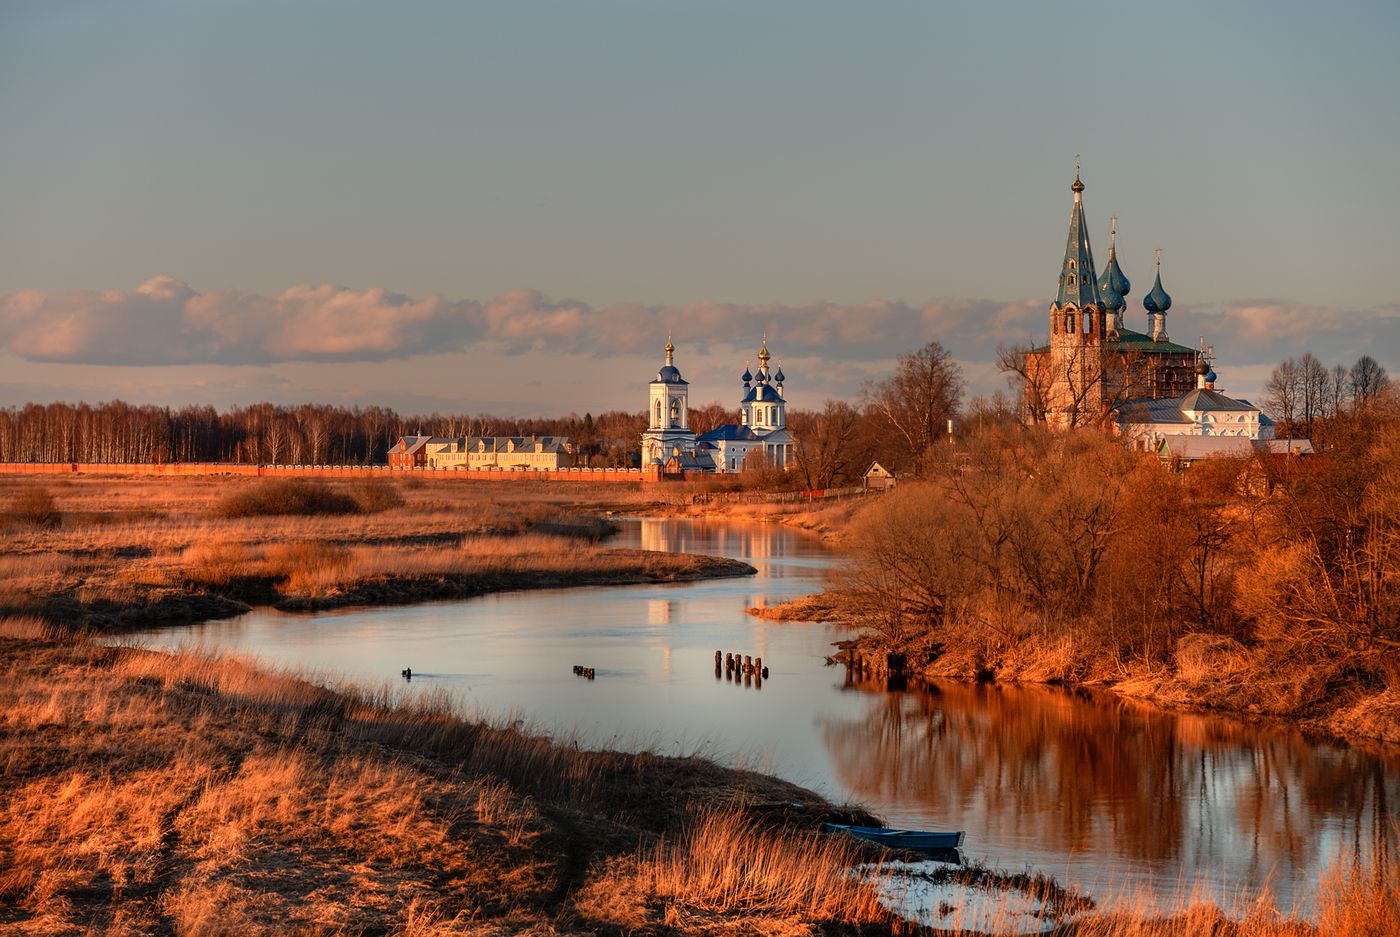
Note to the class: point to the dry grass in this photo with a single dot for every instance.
(724, 866)
(134, 553)
(144, 792)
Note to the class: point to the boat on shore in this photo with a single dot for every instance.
(899, 839)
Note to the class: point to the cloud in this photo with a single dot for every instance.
(166, 322)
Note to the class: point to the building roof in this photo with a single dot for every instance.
(1205, 399)
(1204, 447)
(518, 443)
(1078, 280)
(1128, 340)
(762, 393)
(1148, 410)
(413, 444)
(729, 432)
(1287, 446)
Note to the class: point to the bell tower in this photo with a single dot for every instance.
(1079, 328)
(668, 413)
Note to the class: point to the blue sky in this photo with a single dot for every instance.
(505, 205)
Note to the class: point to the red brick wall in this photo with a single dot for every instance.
(300, 471)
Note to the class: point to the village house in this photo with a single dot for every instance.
(479, 453)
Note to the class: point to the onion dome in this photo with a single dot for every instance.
(1113, 285)
(779, 376)
(1202, 367)
(669, 373)
(1157, 300)
(746, 377)
(1210, 377)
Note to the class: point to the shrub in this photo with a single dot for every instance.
(34, 507)
(377, 494)
(287, 496)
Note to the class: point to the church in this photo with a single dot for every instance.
(1097, 372)
(1094, 362)
(671, 447)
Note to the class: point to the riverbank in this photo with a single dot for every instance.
(1206, 673)
(125, 554)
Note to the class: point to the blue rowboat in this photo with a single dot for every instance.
(899, 839)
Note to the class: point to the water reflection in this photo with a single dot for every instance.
(1040, 772)
(1087, 789)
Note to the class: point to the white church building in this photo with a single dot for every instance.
(762, 425)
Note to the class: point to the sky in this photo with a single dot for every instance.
(505, 207)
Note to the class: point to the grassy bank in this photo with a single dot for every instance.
(118, 554)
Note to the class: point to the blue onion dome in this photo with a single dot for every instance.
(779, 376)
(1109, 297)
(747, 376)
(1113, 285)
(1210, 377)
(669, 374)
(1157, 300)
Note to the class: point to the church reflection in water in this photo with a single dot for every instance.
(1038, 766)
(757, 543)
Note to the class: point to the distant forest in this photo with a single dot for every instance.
(309, 434)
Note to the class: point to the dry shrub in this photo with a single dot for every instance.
(1210, 658)
(375, 495)
(300, 496)
(724, 864)
(33, 507)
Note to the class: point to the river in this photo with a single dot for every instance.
(1113, 797)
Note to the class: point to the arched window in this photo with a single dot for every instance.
(658, 413)
(675, 410)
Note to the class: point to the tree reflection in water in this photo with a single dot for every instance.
(1029, 770)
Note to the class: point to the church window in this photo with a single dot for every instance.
(658, 413)
(675, 409)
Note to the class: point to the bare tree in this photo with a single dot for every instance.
(1366, 379)
(1314, 378)
(919, 398)
(824, 443)
(1283, 393)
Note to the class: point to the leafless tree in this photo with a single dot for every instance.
(824, 446)
(1366, 379)
(919, 398)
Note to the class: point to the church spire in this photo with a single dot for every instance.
(1078, 280)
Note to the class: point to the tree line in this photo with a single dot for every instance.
(1303, 392)
(896, 421)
